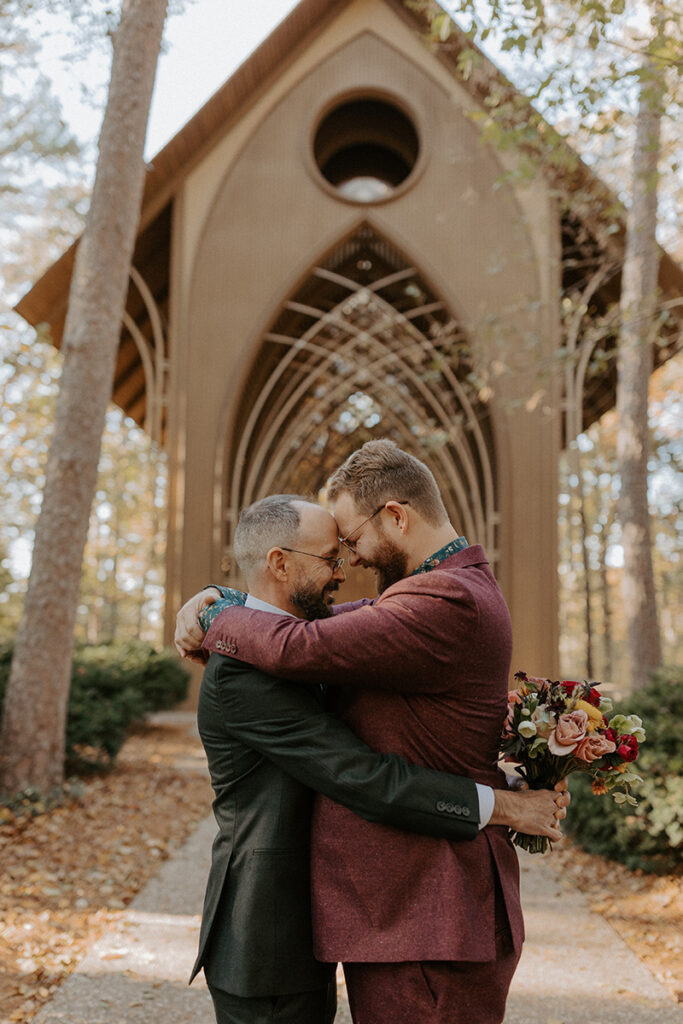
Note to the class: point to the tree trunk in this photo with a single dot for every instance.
(634, 366)
(588, 617)
(33, 725)
(574, 457)
(606, 607)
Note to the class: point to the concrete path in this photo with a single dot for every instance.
(575, 969)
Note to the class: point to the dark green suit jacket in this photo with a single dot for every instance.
(269, 744)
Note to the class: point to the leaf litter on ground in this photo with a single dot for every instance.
(66, 875)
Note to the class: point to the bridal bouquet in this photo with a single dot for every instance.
(555, 728)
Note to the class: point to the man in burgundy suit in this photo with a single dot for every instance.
(429, 930)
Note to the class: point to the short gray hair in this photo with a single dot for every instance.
(268, 523)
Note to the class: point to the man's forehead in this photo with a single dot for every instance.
(317, 522)
(345, 513)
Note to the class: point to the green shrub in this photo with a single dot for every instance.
(113, 687)
(649, 836)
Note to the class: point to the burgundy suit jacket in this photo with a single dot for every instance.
(424, 671)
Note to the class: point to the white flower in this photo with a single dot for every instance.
(637, 728)
(526, 729)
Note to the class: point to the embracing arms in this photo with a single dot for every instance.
(535, 813)
(286, 724)
(395, 643)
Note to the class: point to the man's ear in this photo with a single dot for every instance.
(276, 564)
(399, 514)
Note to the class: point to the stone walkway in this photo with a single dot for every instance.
(575, 969)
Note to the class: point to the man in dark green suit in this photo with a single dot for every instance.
(269, 744)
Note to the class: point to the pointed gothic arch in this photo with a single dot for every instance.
(364, 348)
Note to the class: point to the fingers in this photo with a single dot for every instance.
(199, 656)
(553, 834)
(550, 827)
(187, 641)
(188, 633)
(562, 801)
(548, 814)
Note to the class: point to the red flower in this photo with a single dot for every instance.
(610, 734)
(588, 692)
(593, 697)
(627, 748)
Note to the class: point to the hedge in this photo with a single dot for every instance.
(648, 837)
(113, 687)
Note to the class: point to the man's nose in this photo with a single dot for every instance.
(354, 558)
(339, 574)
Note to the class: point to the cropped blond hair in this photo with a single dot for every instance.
(380, 471)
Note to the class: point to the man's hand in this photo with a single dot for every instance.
(536, 812)
(188, 633)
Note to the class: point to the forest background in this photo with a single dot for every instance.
(45, 176)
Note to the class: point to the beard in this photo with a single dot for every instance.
(313, 603)
(390, 564)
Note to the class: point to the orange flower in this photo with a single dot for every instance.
(599, 788)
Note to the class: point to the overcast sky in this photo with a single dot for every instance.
(202, 47)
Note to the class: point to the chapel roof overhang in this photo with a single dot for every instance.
(47, 300)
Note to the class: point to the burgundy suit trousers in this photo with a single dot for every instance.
(436, 991)
(433, 992)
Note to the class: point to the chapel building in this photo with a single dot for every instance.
(329, 252)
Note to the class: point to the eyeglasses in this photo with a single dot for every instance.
(334, 563)
(350, 545)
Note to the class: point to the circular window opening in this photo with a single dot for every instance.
(366, 148)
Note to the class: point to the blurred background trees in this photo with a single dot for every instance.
(604, 75)
(36, 697)
(45, 177)
(44, 182)
(590, 550)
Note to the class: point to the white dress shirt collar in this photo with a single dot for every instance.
(263, 606)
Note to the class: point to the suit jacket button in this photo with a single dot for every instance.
(233, 648)
(440, 805)
(449, 807)
(458, 809)
(466, 811)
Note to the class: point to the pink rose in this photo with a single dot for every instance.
(513, 699)
(543, 721)
(594, 746)
(569, 731)
(537, 681)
